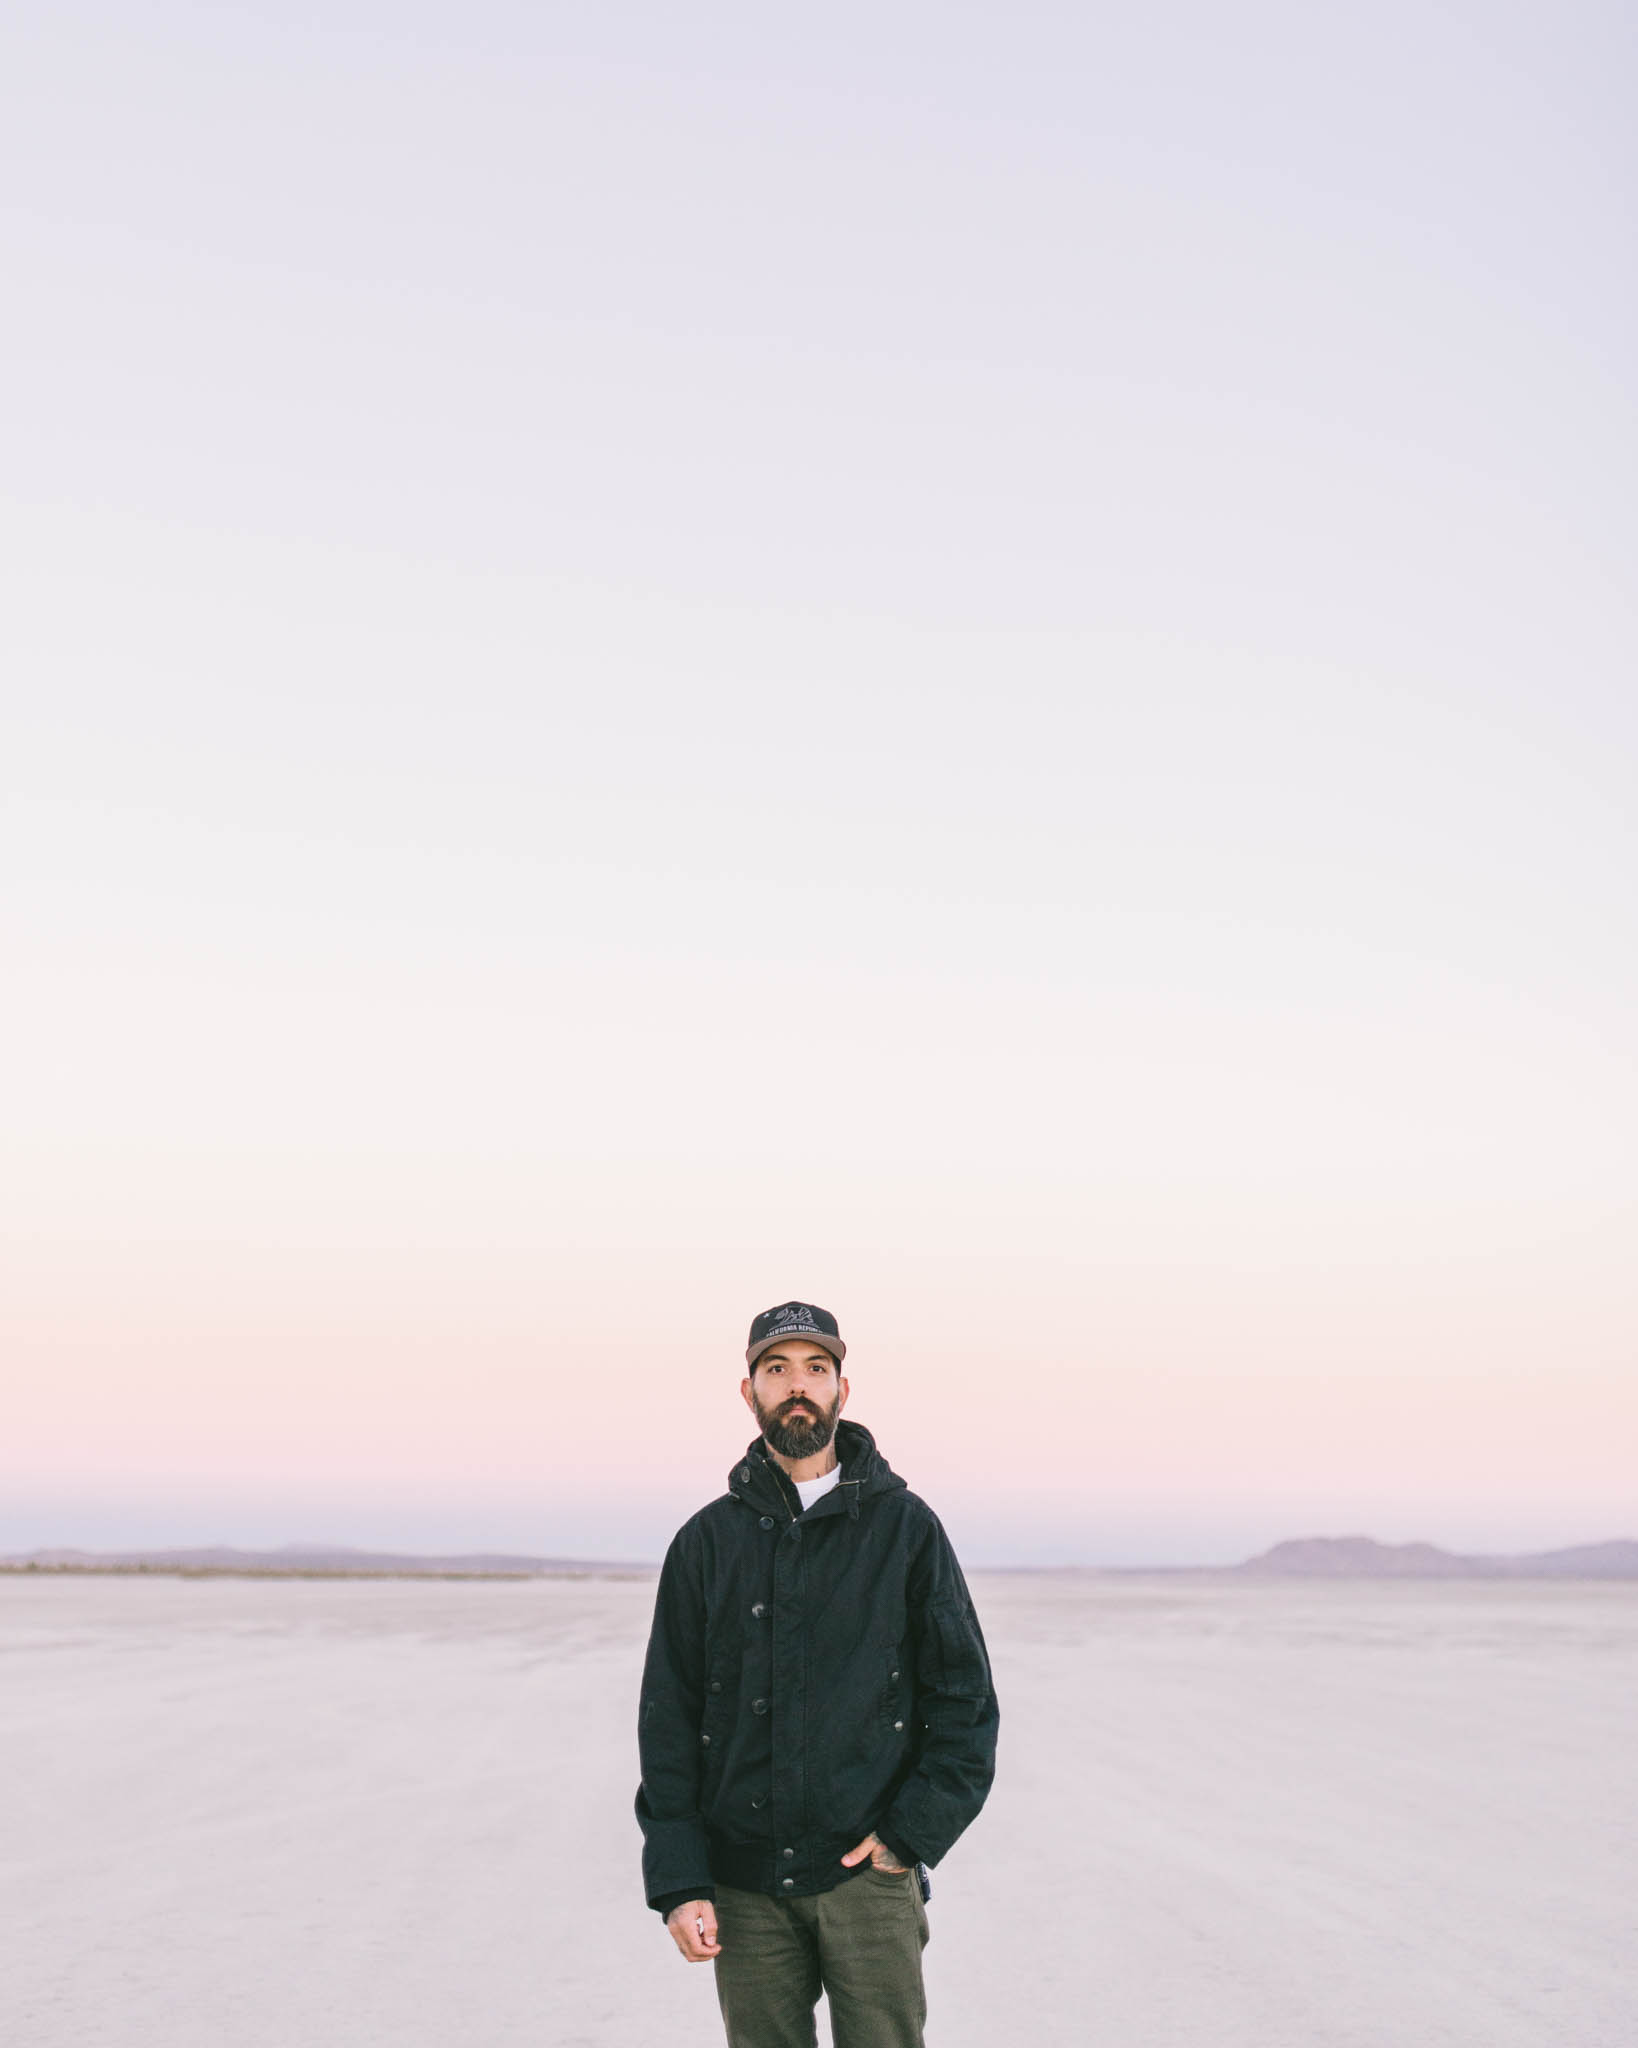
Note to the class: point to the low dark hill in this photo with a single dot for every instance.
(1303, 1557)
(311, 1560)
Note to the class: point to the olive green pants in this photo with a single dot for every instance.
(860, 1944)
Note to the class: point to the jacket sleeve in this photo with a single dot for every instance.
(676, 1865)
(956, 1705)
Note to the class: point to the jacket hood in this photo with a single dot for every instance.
(760, 1482)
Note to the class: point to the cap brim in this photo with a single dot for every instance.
(834, 1345)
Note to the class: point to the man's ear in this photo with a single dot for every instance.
(747, 1396)
(841, 1393)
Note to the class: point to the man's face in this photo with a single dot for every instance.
(796, 1393)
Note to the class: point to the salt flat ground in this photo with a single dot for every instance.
(324, 1815)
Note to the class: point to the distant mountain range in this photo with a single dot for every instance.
(1361, 1557)
(312, 1560)
(1304, 1557)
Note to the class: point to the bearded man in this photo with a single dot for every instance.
(818, 1722)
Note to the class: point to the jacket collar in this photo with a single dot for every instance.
(761, 1482)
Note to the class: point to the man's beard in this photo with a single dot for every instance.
(796, 1436)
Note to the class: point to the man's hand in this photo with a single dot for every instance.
(881, 1857)
(693, 1928)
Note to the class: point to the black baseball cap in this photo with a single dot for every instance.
(794, 1319)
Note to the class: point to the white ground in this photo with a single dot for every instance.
(298, 1815)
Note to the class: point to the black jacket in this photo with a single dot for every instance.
(810, 1678)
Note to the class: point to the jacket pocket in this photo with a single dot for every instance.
(714, 1726)
(894, 1704)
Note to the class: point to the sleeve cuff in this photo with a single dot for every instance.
(668, 1902)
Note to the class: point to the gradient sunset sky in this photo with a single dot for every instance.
(975, 664)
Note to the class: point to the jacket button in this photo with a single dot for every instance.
(897, 1725)
(759, 1706)
(744, 1474)
(716, 1685)
(789, 1883)
(756, 1805)
(893, 1674)
(787, 1852)
(705, 1742)
(766, 1522)
(758, 1611)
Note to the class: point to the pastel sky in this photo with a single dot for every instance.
(975, 663)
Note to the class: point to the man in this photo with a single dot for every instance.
(817, 1716)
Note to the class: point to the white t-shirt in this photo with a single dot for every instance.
(810, 1490)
